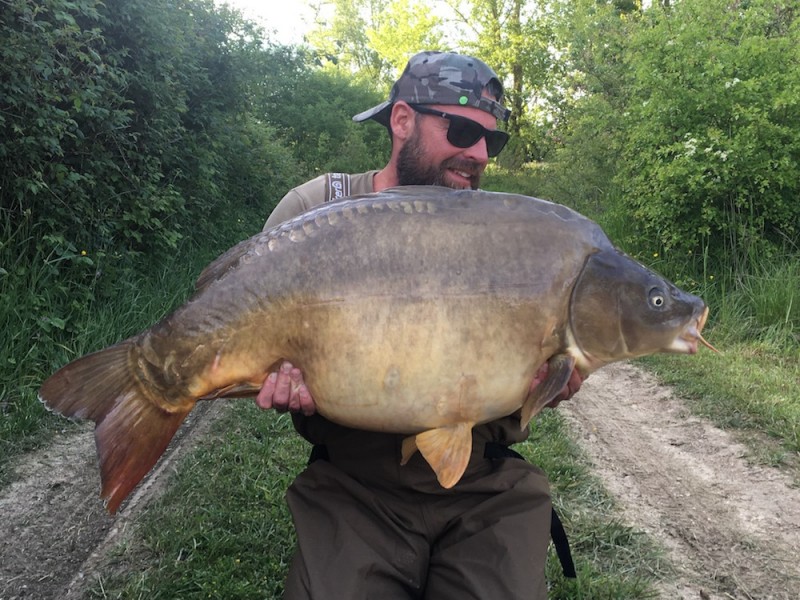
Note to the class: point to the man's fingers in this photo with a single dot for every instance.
(283, 387)
(307, 406)
(264, 398)
(574, 383)
(295, 383)
(570, 389)
(300, 400)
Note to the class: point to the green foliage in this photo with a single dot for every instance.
(515, 40)
(117, 120)
(712, 144)
(313, 110)
(587, 104)
(340, 37)
(62, 118)
(194, 71)
(401, 30)
(132, 134)
(696, 107)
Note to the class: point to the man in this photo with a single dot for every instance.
(368, 527)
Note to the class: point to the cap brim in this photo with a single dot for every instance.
(379, 113)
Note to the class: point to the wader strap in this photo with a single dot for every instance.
(318, 452)
(337, 186)
(557, 533)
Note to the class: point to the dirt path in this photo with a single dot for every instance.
(732, 529)
(53, 526)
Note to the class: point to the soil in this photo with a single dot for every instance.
(730, 527)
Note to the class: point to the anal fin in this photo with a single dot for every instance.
(447, 450)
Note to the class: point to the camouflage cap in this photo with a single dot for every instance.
(442, 78)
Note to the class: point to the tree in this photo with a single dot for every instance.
(588, 97)
(340, 36)
(403, 29)
(515, 37)
(373, 39)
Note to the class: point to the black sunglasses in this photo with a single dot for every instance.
(465, 133)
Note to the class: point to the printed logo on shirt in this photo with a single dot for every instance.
(338, 186)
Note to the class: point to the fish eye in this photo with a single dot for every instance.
(657, 298)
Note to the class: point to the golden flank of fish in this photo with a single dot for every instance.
(419, 310)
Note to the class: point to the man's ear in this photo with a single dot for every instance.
(402, 120)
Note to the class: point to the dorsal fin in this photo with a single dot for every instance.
(227, 261)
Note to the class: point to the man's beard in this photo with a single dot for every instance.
(412, 170)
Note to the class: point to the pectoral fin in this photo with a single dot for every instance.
(235, 390)
(559, 370)
(447, 450)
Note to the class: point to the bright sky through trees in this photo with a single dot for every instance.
(288, 20)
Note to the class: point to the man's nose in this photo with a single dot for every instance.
(478, 152)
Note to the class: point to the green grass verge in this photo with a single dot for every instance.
(59, 306)
(222, 529)
(139, 301)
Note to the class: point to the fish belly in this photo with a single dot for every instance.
(406, 365)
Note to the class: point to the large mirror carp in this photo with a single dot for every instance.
(418, 310)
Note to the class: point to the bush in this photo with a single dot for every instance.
(711, 140)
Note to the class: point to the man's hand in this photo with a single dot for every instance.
(285, 390)
(572, 387)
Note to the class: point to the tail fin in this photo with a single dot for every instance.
(131, 431)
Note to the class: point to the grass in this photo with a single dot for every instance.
(37, 342)
(222, 529)
(59, 303)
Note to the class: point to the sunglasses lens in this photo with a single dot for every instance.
(495, 142)
(464, 133)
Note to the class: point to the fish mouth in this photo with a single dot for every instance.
(688, 340)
